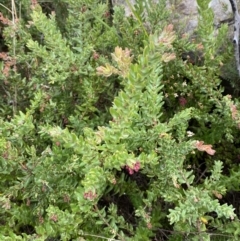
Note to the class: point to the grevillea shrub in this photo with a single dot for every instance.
(109, 132)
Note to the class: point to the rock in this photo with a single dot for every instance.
(222, 10)
(186, 12)
(124, 4)
(185, 15)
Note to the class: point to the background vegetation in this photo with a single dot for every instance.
(115, 127)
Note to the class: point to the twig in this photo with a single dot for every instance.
(228, 21)
(106, 222)
(98, 236)
(14, 17)
(6, 8)
(236, 32)
(195, 233)
(203, 173)
(136, 16)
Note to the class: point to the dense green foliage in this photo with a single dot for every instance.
(115, 127)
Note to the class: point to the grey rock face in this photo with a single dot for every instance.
(186, 11)
(222, 9)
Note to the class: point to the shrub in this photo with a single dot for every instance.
(111, 132)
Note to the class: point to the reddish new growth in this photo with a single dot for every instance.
(4, 20)
(7, 21)
(149, 225)
(107, 14)
(182, 101)
(54, 218)
(8, 63)
(66, 198)
(234, 111)
(95, 55)
(136, 167)
(90, 195)
(40, 219)
(34, 3)
(235, 115)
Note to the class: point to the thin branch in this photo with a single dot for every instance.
(203, 173)
(136, 16)
(6, 8)
(228, 21)
(195, 233)
(106, 222)
(101, 237)
(14, 18)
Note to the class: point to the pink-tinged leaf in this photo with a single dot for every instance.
(106, 71)
(166, 57)
(135, 168)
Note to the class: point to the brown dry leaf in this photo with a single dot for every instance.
(217, 194)
(207, 148)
